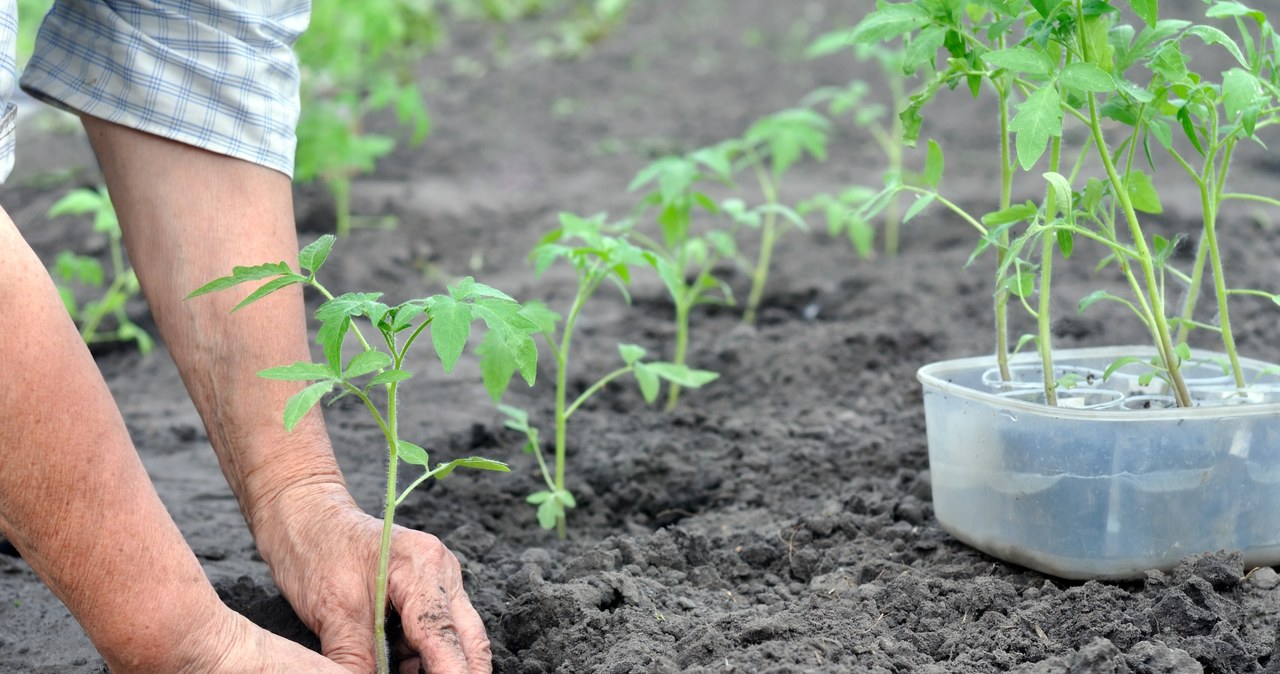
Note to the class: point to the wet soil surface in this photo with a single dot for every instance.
(780, 520)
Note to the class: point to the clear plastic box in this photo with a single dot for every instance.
(1095, 489)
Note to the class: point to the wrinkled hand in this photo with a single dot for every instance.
(323, 555)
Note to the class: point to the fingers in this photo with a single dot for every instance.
(438, 621)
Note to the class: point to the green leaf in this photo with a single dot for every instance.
(1021, 60)
(366, 362)
(683, 375)
(1183, 351)
(888, 22)
(1066, 242)
(268, 288)
(1021, 284)
(1211, 36)
(789, 135)
(1241, 92)
(331, 335)
(1142, 192)
(352, 304)
(411, 453)
(631, 353)
(243, 275)
(301, 402)
(933, 165)
(1039, 118)
(1229, 9)
(1061, 192)
(1119, 363)
(648, 381)
(1087, 77)
(389, 377)
(1095, 297)
(467, 289)
(76, 202)
(1147, 10)
(478, 463)
(922, 202)
(1013, 214)
(450, 329)
(300, 371)
(314, 254)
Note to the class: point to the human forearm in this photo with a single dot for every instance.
(74, 498)
(188, 216)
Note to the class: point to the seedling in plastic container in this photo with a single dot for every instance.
(508, 347)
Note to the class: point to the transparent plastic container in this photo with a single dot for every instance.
(1093, 489)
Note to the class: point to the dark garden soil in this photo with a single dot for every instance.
(780, 520)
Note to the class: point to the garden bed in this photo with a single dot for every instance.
(780, 519)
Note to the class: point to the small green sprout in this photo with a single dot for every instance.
(508, 348)
(70, 270)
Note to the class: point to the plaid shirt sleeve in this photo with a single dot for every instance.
(217, 74)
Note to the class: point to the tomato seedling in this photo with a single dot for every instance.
(508, 348)
(596, 257)
(71, 269)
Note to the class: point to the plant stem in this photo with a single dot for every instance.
(588, 286)
(768, 237)
(1159, 322)
(600, 383)
(1006, 198)
(1044, 322)
(341, 190)
(384, 549)
(1209, 192)
(681, 351)
(893, 214)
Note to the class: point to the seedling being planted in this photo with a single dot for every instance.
(596, 257)
(72, 269)
(507, 348)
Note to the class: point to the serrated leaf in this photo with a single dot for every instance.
(450, 329)
(412, 454)
(268, 288)
(1061, 192)
(1142, 192)
(1241, 92)
(648, 381)
(1087, 77)
(366, 362)
(301, 402)
(1039, 118)
(312, 257)
(330, 337)
(1211, 36)
(1147, 10)
(888, 22)
(389, 377)
(243, 275)
(300, 371)
(1021, 60)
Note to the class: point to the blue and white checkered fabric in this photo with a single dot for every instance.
(8, 82)
(217, 74)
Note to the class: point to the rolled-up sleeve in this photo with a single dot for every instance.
(217, 74)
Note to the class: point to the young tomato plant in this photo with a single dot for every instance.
(1060, 61)
(841, 209)
(770, 147)
(70, 269)
(684, 261)
(596, 257)
(357, 59)
(508, 348)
